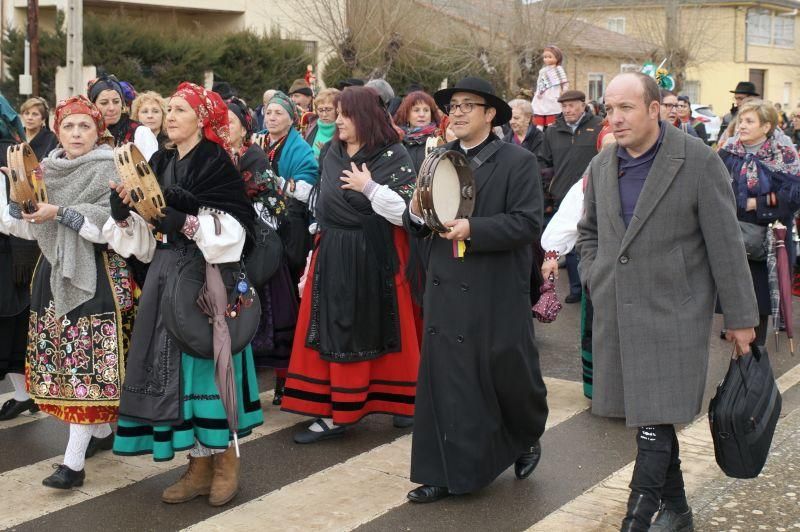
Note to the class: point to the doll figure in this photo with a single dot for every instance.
(551, 83)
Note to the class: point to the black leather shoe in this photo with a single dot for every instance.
(526, 463)
(402, 422)
(572, 298)
(310, 436)
(427, 493)
(65, 478)
(12, 408)
(280, 384)
(99, 444)
(671, 521)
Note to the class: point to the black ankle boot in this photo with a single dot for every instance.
(526, 463)
(12, 408)
(639, 514)
(280, 384)
(65, 478)
(99, 444)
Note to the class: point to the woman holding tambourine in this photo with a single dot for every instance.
(83, 298)
(356, 350)
(171, 399)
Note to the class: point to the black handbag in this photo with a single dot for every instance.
(186, 322)
(755, 240)
(743, 415)
(265, 256)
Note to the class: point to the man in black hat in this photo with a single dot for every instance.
(744, 92)
(481, 401)
(569, 145)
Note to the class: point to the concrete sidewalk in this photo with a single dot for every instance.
(769, 502)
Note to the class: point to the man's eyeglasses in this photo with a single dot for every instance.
(670, 105)
(325, 109)
(465, 107)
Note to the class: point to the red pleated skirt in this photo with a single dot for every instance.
(349, 391)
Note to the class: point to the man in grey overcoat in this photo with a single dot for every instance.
(659, 241)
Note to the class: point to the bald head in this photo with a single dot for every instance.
(632, 104)
(639, 83)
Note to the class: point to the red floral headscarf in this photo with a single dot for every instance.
(80, 105)
(211, 110)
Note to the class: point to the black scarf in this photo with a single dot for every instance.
(354, 301)
(210, 180)
(123, 131)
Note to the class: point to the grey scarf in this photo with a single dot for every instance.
(82, 185)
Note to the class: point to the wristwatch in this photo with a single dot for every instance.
(60, 214)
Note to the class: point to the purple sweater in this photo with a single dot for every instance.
(632, 175)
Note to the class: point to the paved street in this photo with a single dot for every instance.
(360, 481)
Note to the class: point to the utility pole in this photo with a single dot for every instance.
(74, 47)
(33, 39)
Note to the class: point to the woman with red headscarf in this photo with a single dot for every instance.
(171, 400)
(356, 349)
(82, 294)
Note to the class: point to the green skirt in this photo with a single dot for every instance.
(203, 416)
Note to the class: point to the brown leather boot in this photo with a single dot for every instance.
(225, 484)
(195, 481)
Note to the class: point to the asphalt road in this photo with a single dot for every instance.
(358, 481)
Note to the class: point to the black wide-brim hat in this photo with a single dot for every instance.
(745, 87)
(482, 88)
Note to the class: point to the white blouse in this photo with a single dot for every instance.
(137, 239)
(561, 233)
(146, 141)
(22, 229)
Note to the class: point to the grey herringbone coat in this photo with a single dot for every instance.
(654, 283)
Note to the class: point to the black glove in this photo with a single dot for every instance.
(119, 211)
(172, 222)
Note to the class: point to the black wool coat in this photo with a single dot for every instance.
(481, 400)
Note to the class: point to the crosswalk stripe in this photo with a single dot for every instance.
(21, 419)
(602, 507)
(105, 473)
(352, 493)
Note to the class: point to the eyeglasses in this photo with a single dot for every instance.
(325, 109)
(670, 105)
(465, 107)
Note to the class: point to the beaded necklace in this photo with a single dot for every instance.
(273, 150)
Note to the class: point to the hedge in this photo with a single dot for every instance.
(154, 60)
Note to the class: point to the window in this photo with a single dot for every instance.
(596, 86)
(629, 67)
(766, 27)
(783, 30)
(759, 26)
(692, 90)
(787, 93)
(617, 24)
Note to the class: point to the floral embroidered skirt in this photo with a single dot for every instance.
(76, 363)
(203, 415)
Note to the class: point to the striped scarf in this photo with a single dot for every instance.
(549, 77)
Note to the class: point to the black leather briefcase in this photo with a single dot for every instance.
(743, 415)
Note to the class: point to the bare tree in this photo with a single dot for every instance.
(684, 35)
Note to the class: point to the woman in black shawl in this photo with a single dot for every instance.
(17, 260)
(170, 400)
(272, 343)
(107, 94)
(356, 350)
(34, 113)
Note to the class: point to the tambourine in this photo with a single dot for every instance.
(446, 189)
(27, 183)
(140, 182)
